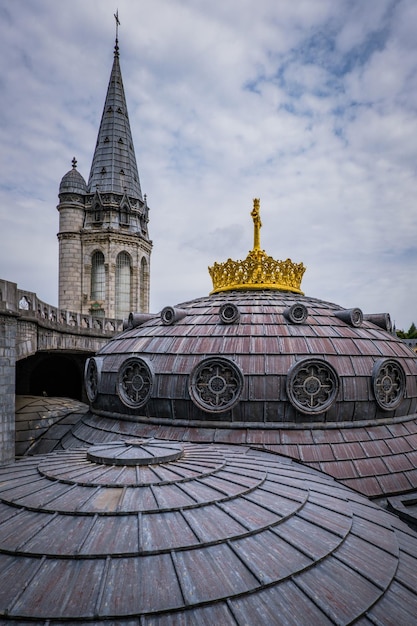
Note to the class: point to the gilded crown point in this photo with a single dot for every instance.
(258, 270)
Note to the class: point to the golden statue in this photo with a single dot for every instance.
(257, 224)
(258, 270)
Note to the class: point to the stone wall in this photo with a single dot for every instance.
(71, 216)
(28, 325)
(8, 331)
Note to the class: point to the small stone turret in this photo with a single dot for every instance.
(71, 219)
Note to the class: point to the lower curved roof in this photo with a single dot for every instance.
(375, 459)
(145, 531)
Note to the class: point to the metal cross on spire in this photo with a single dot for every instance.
(116, 17)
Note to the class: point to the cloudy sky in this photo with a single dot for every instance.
(310, 105)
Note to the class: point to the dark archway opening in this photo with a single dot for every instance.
(59, 375)
(56, 376)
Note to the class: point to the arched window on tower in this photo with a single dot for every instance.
(98, 280)
(123, 285)
(144, 285)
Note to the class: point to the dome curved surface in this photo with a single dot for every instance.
(374, 459)
(73, 182)
(282, 359)
(186, 533)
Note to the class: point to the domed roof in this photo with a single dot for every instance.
(257, 351)
(73, 182)
(144, 531)
(254, 357)
(257, 361)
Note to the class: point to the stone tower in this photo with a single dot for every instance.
(104, 245)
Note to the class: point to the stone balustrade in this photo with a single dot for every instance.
(28, 325)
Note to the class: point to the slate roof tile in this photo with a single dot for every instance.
(290, 450)
(375, 448)
(370, 467)
(398, 444)
(352, 450)
(369, 486)
(355, 434)
(310, 453)
(394, 483)
(398, 463)
(296, 436)
(341, 470)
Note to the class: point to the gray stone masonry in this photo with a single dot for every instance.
(27, 325)
(8, 332)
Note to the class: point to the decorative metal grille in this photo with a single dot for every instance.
(388, 381)
(216, 385)
(92, 379)
(135, 382)
(312, 386)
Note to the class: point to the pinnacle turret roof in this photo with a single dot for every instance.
(114, 165)
(73, 182)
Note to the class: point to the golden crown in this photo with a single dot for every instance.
(258, 270)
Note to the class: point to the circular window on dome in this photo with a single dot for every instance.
(216, 385)
(312, 386)
(92, 377)
(388, 381)
(135, 381)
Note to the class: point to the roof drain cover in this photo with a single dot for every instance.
(134, 451)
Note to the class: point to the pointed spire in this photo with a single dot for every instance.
(114, 167)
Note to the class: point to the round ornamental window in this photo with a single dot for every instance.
(216, 385)
(92, 378)
(134, 384)
(388, 380)
(312, 386)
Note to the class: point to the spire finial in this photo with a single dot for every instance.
(116, 47)
(74, 163)
(257, 224)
